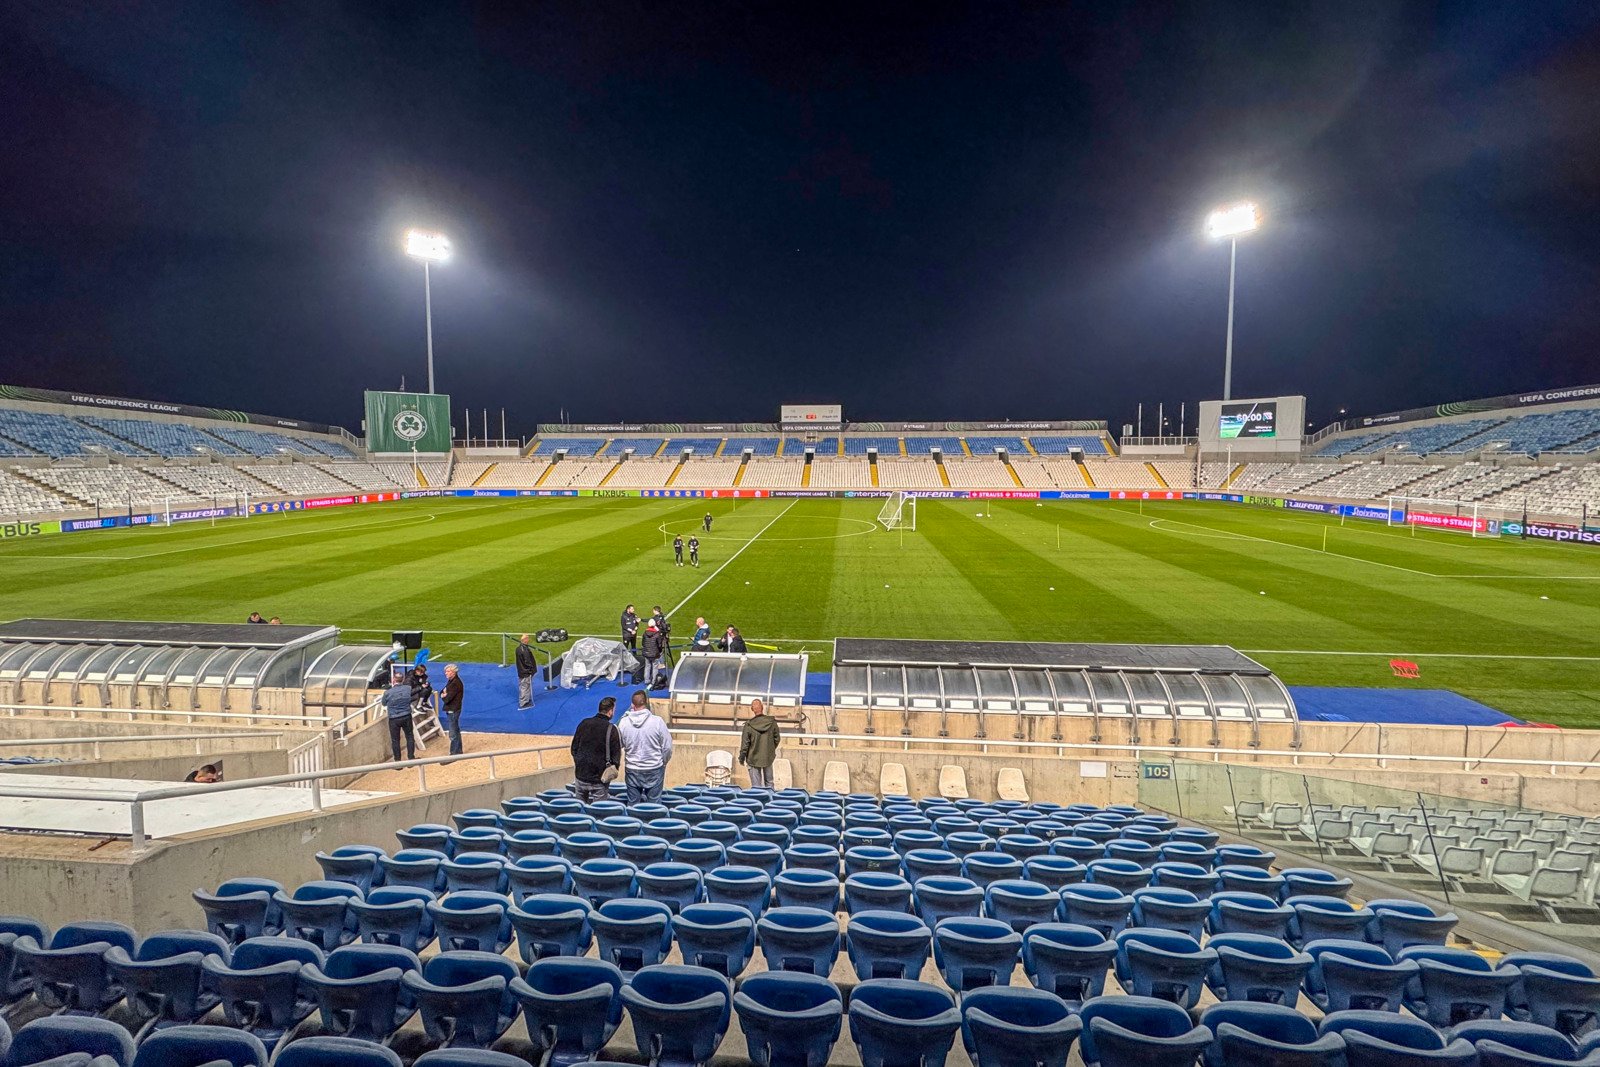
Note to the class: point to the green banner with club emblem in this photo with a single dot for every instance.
(407, 422)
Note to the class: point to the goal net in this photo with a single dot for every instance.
(899, 512)
(1470, 517)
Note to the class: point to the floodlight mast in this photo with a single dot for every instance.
(430, 248)
(1231, 223)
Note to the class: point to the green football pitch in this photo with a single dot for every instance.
(1507, 622)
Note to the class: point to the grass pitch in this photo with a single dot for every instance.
(1507, 622)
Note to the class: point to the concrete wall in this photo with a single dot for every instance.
(235, 766)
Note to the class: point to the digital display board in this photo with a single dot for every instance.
(1254, 420)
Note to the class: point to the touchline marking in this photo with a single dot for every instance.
(407, 520)
(731, 558)
(1212, 531)
(1411, 654)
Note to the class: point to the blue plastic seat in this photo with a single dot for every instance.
(877, 891)
(572, 1006)
(431, 836)
(335, 1052)
(532, 843)
(1247, 1034)
(807, 887)
(360, 992)
(476, 817)
(394, 915)
(600, 879)
(721, 831)
(464, 997)
(1255, 968)
(1401, 924)
(1506, 1043)
(680, 1014)
(551, 925)
(200, 1046)
(259, 988)
(1023, 846)
(1248, 855)
(60, 1036)
(677, 885)
(871, 859)
(887, 944)
(71, 974)
(865, 837)
(762, 855)
(471, 921)
(567, 823)
(1142, 853)
(1249, 913)
(478, 839)
(1243, 878)
(483, 871)
(1123, 875)
(1387, 1039)
(669, 829)
(1084, 850)
(1163, 964)
(747, 887)
(619, 827)
(1192, 877)
(701, 852)
(162, 978)
(1348, 975)
(419, 868)
(356, 864)
(769, 830)
(1100, 907)
(1326, 918)
(1189, 852)
(1053, 871)
(971, 953)
(789, 1020)
(1556, 991)
(632, 933)
(1098, 831)
(799, 939)
(15, 982)
(919, 863)
(811, 854)
(965, 843)
(1130, 1031)
(1456, 985)
(240, 909)
(936, 897)
(1066, 960)
(1162, 908)
(532, 875)
(1003, 1027)
(582, 845)
(1020, 903)
(900, 1023)
(719, 937)
(1313, 882)
(316, 912)
(641, 850)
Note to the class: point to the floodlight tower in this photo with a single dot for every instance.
(430, 248)
(1231, 222)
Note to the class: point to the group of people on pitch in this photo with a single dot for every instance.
(651, 640)
(642, 744)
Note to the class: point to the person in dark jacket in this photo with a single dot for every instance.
(630, 628)
(397, 706)
(654, 650)
(677, 550)
(527, 669)
(733, 641)
(702, 635)
(453, 692)
(707, 521)
(255, 616)
(694, 551)
(758, 745)
(596, 747)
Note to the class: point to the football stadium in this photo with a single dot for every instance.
(814, 738)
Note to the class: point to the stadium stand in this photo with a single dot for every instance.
(841, 473)
(297, 478)
(642, 447)
(1571, 490)
(1177, 473)
(824, 446)
(211, 479)
(170, 439)
(642, 473)
(514, 474)
(1035, 473)
(921, 446)
(1373, 481)
(860, 446)
(707, 473)
(1425, 438)
(1061, 445)
(1214, 475)
(1286, 477)
(1532, 434)
(574, 447)
(1121, 474)
(1572, 431)
(702, 447)
(983, 446)
(578, 473)
(367, 476)
(975, 472)
(265, 443)
(1341, 446)
(58, 436)
(19, 496)
(466, 472)
(773, 473)
(921, 473)
(113, 486)
(756, 446)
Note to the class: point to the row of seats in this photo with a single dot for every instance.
(1573, 430)
(25, 432)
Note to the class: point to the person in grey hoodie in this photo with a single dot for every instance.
(646, 748)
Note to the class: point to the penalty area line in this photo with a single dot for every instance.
(730, 559)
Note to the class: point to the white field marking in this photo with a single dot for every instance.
(1213, 532)
(407, 520)
(1409, 655)
(871, 527)
(731, 558)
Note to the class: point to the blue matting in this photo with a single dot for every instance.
(490, 703)
(1423, 707)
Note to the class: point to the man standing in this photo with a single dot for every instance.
(694, 550)
(648, 746)
(397, 705)
(702, 635)
(453, 692)
(630, 628)
(733, 641)
(596, 749)
(654, 649)
(527, 668)
(758, 745)
(707, 521)
(677, 550)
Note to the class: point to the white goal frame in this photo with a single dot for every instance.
(899, 512)
(1482, 520)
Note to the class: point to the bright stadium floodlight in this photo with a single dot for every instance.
(430, 248)
(1231, 223)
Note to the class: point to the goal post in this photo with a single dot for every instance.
(1471, 517)
(899, 512)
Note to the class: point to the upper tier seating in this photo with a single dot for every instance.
(827, 445)
(59, 436)
(701, 447)
(1091, 445)
(573, 446)
(921, 446)
(984, 446)
(265, 442)
(1572, 430)
(162, 438)
(642, 447)
(757, 446)
(1427, 437)
(860, 446)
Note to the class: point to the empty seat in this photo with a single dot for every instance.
(1132, 1031)
(1100, 907)
(259, 988)
(679, 1014)
(1504, 1043)
(892, 779)
(1010, 785)
(551, 925)
(394, 915)
(632, 933)
(799, 939)
(887, 944)
(523, 843)
(1400, 924)
(1161, 908)
(877, 891)
(1249, 913)
(1162, 964)
(356, 864)
(1555, 991)
(971, 953)
(161, 978)
(241, 908)
(1124, 875)
(919, 863)
(1324, 918)
(807, 888)
(1353, 975)
(600, 879)
(747, 887)
(200, 1046)
(316, 913)
(1456, 985)
(870, 859)
(677, 885)
(899, 1023)
(70, 973)
(1246, 1034)
(719, 937)
(1385, 1039)
(836, 777)
(766, 856)
(1243, 878)
(464, 997)
(1312, 881)
(1247, 855)
(1256, 968)
(1181, 874)
(44, 1040)
(1019, 903)
(789, 1020)
(431, 836)
(336, 1052)
(1066, 960)
(939, 897)
(472, 921)
(952, 781)
(360, 992)
(1004, 1027)
(572, 1006)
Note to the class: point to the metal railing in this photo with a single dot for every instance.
(308, 757)
(310, 721)
(1296, 757)
(136, 799)
(96, 742)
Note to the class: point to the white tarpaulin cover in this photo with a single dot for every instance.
(596, 657)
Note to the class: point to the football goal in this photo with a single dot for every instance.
(899, 512)
(1437, 513)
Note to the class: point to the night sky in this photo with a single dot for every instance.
(683, 212)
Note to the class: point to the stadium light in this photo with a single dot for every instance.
(430, 248)
(1230, 223)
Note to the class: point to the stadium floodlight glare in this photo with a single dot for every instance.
(430, 248)
(1230, 223)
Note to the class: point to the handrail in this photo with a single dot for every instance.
(338, 730)
(132, 713)
(138, 798)
(1295, 755)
